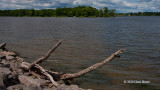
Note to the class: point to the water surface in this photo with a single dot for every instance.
(87, 41)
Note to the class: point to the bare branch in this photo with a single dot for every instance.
(43, 71)
(48, 75)
(35, 74)
(41, 59)
(93, 67)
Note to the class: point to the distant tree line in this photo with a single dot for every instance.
(80, 11)
(139, 14)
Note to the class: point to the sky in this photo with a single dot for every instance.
(121, 6)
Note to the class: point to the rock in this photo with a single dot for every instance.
(1, 50)
(27, 73)
(23, 87)
(71, 87)
(2, 46)
(52, 88)
(3, 61)
(2, 88)
(7, 53)
(14, 65)
(2, 56)
(9, 57)
(32, 88)
(13, 75)
(1, 80)
(16, 87)
(19, 59)
(19, 71)
(4, 70)
(28, 81)
(12, 79)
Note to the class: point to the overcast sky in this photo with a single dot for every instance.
(119, 5)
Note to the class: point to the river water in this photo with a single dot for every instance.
(87, 41)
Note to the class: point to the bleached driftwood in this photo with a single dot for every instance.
(91, 68)
(48, 75)
(58, 76)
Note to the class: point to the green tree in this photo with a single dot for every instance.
(101, 13)
(112, 12)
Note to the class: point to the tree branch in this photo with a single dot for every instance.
(48, 75)
(41, 59)
(93, 67)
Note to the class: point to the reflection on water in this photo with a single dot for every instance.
(87, 41)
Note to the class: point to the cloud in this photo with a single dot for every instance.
(119, 5)
(145, 0)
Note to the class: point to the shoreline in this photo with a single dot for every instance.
(13, 76)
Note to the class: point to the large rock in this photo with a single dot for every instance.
(19, 59)
(29, 81)
(22, 87)
(71, 87)
(9, 57)
(14, 65)
(16, 87)
(52, 88)
(4, 70)
(2, 56)
(11, 79)
(2, 86)
(5, 62)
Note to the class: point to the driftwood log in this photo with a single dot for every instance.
(37, 70)
(93, 67)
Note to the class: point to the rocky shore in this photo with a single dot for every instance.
(13, 77)
(16, 74)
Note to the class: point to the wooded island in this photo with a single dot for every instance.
(80, 11)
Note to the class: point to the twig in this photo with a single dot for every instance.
(93, 67)
(35, 74)
(41, 59)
